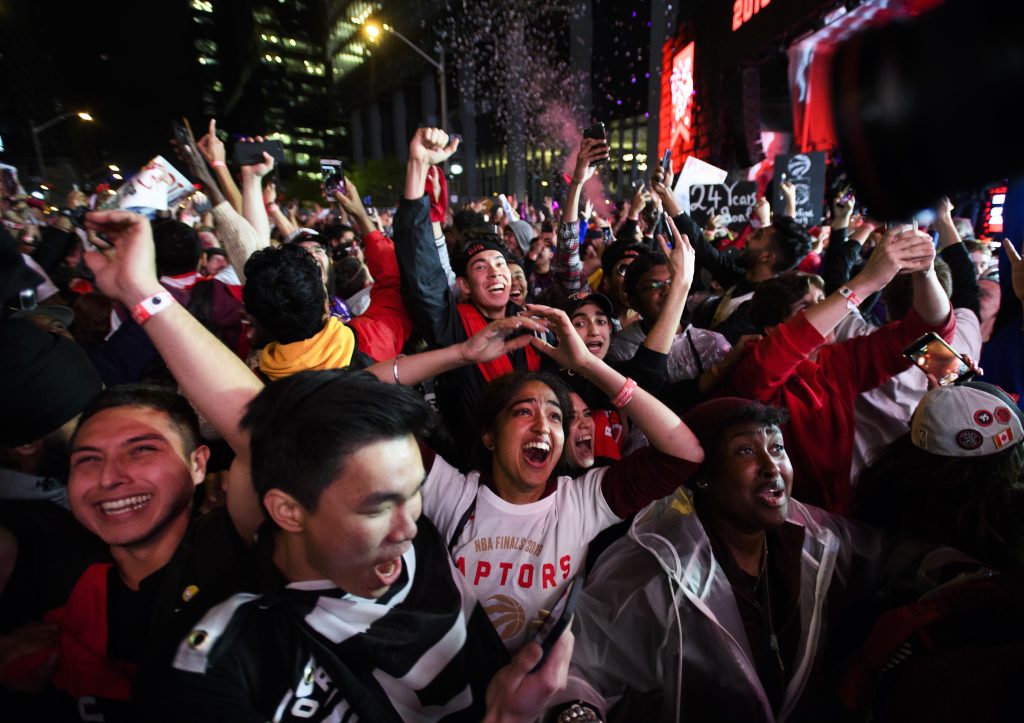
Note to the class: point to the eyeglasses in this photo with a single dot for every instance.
(656, 285)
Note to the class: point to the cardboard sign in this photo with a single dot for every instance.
(731, 202)
(694, 172)
(806, 171)
(157, 185)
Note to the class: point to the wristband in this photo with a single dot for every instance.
(625, 394)
(273, 208)
(151, 306)
(218, 164)
(852, 300)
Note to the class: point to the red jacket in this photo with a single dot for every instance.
(819, 395)
(384, 327)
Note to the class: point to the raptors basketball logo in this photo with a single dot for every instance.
(506, 614)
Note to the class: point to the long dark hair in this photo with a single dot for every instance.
(500, 392)
(975, 504)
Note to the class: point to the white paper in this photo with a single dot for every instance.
(695, 171)
(157, 185)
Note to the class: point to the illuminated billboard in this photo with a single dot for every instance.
(677, 104)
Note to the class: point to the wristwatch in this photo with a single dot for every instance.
(579, 712)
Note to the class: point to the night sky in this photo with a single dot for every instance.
(124, 62)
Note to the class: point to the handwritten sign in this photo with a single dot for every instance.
(696, 171)
(731, 202)
(806, 171)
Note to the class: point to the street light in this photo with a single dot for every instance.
(114, 168)
(373, 32)
(37, 129)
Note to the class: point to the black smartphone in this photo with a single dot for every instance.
(333, 174)
(932, 355)
(597, 132)
(249, 154)
(561, 615)
(368, 201)
(666, 160)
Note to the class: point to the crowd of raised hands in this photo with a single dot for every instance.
(570, 459)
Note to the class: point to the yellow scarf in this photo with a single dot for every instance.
(332, 348)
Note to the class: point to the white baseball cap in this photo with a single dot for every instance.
(973, 419)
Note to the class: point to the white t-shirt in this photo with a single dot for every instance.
(516, 558)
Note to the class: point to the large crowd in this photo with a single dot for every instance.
(266, 461)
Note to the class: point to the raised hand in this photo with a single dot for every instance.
(682, 257)
(211, 146)
(432, 146)
(763, 211)
(270, 193)
(898, 252)
(129, 274)
(661, 181)
(258, 169)
(571, 352)
(493, 340)
(591, 149)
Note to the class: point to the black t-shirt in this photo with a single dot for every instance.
(140, 629)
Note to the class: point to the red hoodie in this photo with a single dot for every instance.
(385, 326)
(819, 395)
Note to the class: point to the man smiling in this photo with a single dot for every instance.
(484, 282)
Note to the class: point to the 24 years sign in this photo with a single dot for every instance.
(731, 202)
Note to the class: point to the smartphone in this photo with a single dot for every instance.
(561, 615)
(932, 355)
(368, 201)
(249, 154)
(332, 172)
(666, 160)
(597, 132)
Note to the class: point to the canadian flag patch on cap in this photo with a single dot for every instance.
(1003, 438)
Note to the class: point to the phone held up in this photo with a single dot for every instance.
(561, 615)
(597, 132)
(249, 154)
(333, 175)
(933, 356)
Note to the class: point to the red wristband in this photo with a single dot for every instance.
(218, 164)
(625, 394)
(151, 306)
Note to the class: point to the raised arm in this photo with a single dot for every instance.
(213, 151)
(211, 376)
(665, 431)
(966, 291)
(906, 252)
(425, 290)
(253, 208)
(681, 261)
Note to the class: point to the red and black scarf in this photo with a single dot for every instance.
(473, 321)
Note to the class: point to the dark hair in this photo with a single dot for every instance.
(285, 293)
(465, 219)
(790, 242)
(350, 276)
(177, 247)
(971, 245)
(91, 324)
(774, 297)
(477, 234)
(644, 263)
(303, 428)
(547, 227)
(162, 399)
(752, 413)
(334, 231)
(500, 392)
(898, 294)
(973, 504)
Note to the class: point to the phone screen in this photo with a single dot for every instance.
(561, 614)
(333, 176)
(935, 357)
(666, 160)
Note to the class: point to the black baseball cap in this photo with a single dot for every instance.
(618, 251)
(574, 302)
(472, 249)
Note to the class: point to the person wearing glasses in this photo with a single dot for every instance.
(651, 288)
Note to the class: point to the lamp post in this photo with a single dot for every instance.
(37, 129)
(373, 31)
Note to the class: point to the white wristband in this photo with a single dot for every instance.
(151, 306)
